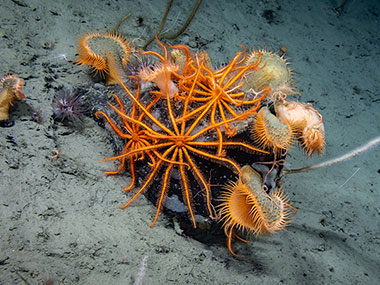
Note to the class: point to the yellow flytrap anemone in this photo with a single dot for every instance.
(246, 206)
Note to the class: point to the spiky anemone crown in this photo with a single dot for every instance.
(107, 53)
(10, 92)
(273, 71)
(247, 207)
(179, 57)
(269, 132)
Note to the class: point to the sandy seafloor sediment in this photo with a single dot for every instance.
(62, 220)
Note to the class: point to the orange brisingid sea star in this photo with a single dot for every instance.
(216, 93)
(134, 135)
(176, 139)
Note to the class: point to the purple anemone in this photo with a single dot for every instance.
(67, 106)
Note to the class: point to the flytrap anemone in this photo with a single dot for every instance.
(247, 207)
(10, 92)
(106, 53)
(67, 106)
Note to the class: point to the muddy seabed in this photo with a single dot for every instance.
(61, 220)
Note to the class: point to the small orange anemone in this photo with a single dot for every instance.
(307, 122)
(247, 207)
(158, 74)
(10, 92)
(269, 132)
(106, 53)
(161, 73)
(313, 140)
